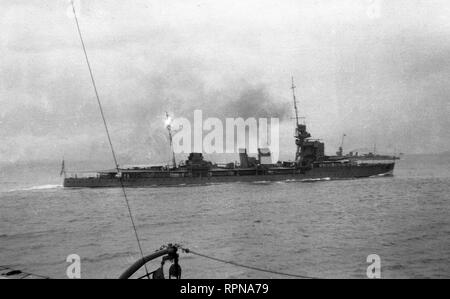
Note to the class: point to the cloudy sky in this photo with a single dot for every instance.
(378, 71)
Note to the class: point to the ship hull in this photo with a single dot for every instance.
(334, 173)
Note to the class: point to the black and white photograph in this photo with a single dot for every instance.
(240, 142)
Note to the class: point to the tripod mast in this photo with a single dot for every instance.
(301, 134)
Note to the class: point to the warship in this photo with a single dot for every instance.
(310, 163)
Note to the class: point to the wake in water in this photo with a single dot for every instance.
(292, 181)
(40, 187)
(315, 180)
(387, 174)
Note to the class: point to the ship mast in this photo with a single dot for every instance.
(300, 131)
(169, 128)
(340, 152)
(295, 101)
(297, 153)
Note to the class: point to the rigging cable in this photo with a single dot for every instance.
(107, 133)
(246, 266)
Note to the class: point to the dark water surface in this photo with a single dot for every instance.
(323, 229)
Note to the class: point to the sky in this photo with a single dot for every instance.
(378, 71)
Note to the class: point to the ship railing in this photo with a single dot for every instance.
(80, 175)
(89, 174)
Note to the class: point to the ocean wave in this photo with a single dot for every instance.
(27, 235)
(386, 174)
(40, 187)
(262, 182)
(129, 256)
(316, 180)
